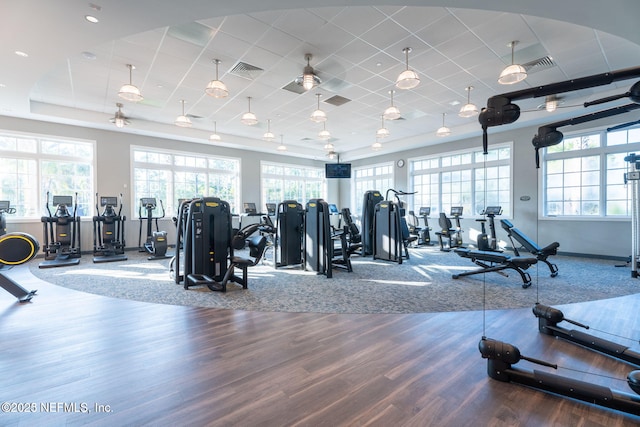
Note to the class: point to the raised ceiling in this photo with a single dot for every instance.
(75, 69)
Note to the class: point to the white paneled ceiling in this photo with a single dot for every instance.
(357, 52)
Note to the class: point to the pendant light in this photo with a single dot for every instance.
(129, 92)
(282, 147)
(383, 132)
(268, 135)
(443, 130)
(376, 146)
(392, 112)
(468, 109)
(249, 118)
(183, 121)
(119, 118)
(214, 137)
(551, 103)
(217, 88)
(514, 73)
(408, 79)
(318, 115)
(308, 80)
(328, 146)
(324, 134)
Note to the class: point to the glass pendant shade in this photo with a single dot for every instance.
(214, 137)
(383, 132)
(119, 118)
(443, 130)
(514, 73)
(308, 80)
(249, 118)
(328, 146)
(268, 135)
(551, 104)
(216, 88)
(468, 109)
(182, 120)
(281, 147)
(392, 112)
(376, 146)
(324, 134)
(318, 115)
(408, 79)
(129, 92)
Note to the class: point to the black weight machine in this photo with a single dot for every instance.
(501, 356)
(320, 254)
(448, 231)
(61, 233)
(5, 208)
(156, 241)
(391, 233)
(370, 200)
(489, 242)
(289, 234)
(541, 253)
(15, 249)
(108, 231)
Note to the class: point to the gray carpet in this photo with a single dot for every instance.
(421, 284)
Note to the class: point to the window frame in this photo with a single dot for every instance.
(284, 177)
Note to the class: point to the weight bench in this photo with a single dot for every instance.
(541, 253)
(495, 261)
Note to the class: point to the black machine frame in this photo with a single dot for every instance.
(108, 230)
(61, 232)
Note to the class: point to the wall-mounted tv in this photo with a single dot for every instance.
(337, 170)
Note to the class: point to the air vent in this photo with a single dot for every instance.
(337, 100)
(246, 71)
(295, 88)
(193, 33)
(539, 64)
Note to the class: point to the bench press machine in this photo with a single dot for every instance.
(496, 262)
(541, 253)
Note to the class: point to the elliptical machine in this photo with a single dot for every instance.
(425, 232)
(108, 231)
(156, 241)
(61, 233)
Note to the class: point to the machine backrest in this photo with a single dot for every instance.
(257, 244)
(445, 223)
(352, 228)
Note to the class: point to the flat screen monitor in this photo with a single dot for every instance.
(337, 170)
(250, 208)
(108, 201)
(425, 211)
(4, 205)
(333, 209)
(271, 209)
(62, 200)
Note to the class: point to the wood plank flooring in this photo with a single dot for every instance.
(147, 364)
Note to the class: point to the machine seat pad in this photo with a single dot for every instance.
(496, 257)
(550, 249)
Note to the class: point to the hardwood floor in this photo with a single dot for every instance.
(135, 363)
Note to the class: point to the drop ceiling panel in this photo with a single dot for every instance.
(244, 27)
(415, 19)
(358, 20)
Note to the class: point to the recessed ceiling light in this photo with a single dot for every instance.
(91, 18)
(21, 53)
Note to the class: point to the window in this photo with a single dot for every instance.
(32, 165)
(376, 177)
(584, 174)
(469, 179)
(290, 182)
(171, 176)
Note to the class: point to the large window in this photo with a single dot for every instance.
(376, 177)
(33, 165)
(469, 179)
(289, 182)
(584, 174)
(171, 176)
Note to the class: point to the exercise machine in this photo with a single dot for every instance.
(176, 265)
(548, 319)
(16, 249)
(448, 231)
(502, 356)
(370, 200)
(541, 253)
(387, 243)
(61, 233)
(156, 241)
(5, 208)
(497, 262)
(425, 232)
(108, 231)
(489, 242)
(633, 176)
(289, 234)
(320, 254)
(207, 244)
(354, 238)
